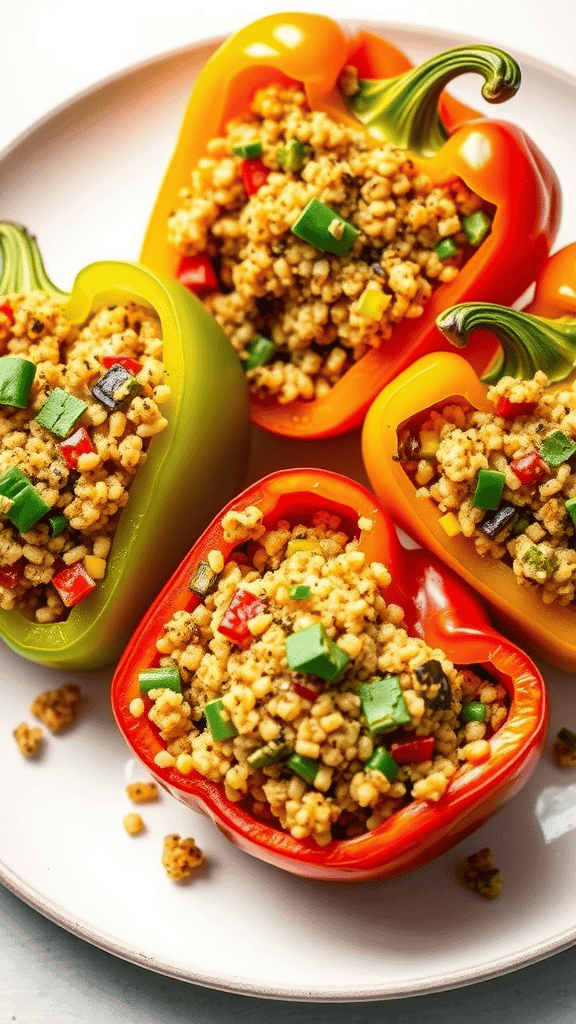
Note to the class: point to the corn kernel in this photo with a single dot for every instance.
(95, 567)
(429, 444)
(450, 524)
(164, 760)
(136, 707)
(133, 823)
(297, 544)
(184, 763)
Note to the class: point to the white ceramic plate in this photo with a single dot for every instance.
(83, 180)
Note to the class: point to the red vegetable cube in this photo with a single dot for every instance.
(243, 606)
(254, 175)
(73, 584)
(529, 468)
(197, 274)
(78, 443)
(10, 575)
(413, 751)
(509, 410)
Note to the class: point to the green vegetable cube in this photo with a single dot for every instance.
(382, 761)
(162, 678)
(23, 505)
(271, 753)
(570, 504)
(557, 448)
(383, 704)
(16, 377)
(305, 767)
(250, 150)
(57, 525)
(218, 721)
(476, 226)
(474, 711)
(327, 230)
(446, 249)
(60, 412)
(293, 155)
(300, 592)
(260, 352)
(313, 651)
(489, 487)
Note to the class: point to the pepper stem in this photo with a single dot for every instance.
(405, 108)
(22, 266)
(529, 343)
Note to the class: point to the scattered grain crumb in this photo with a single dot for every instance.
(137, 707)
(133, 823)
(142, 792)
(30, 740)
(180, 857)
(58, 709)
(482, 876)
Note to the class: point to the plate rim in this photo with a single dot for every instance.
(101, 939)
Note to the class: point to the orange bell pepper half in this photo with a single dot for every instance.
(438, 607)
(438, 377)
(498, 161)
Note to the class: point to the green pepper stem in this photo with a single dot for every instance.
(405, 108)
(22, 266)
(529, 343)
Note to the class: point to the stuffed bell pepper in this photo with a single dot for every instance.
(339, 706)
(484, 472)
(123, 419)
(326, 208)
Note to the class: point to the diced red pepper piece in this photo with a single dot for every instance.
(129, 364)
(243, 606)
(509, 410)
(529, 468)
(10, 575)
(197, 274)
(254, 174)
(73, 584)
(79, 443)
(413, 751)
(307, 692)
(6, 308)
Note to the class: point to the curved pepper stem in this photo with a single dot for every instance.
(22, 266)
(405, 108)
(529, 343)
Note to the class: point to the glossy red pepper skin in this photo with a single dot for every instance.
(129, 364)
(254, 174)
(73, 584)
(510, 410)
(197, 274)
(79, 443)
(10, 575)
(242, 607)
(413, 751)
(529, 468)
(439, 608)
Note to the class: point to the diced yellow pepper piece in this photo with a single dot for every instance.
(429, 444)
(301, 545)
(95, 567)
(373, 304)
(450, 524)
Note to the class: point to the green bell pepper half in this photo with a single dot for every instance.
(181, 485)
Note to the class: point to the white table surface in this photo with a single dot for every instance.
(50, 50)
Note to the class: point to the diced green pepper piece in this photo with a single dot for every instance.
(293, 155)
(489, 487)
(382, 761)
(446, 249)
(272, 753)
(260, 352)
(204, 580)
(220, 725)
(537, 560)
(16, 377)
(313, 651)
(57, 525)
(250, 150)
(23, 505)
(476, 226)
(305, 767)
(60, 412)
(299, 593)
(383, 704)
(165, 677)
(557, 448)
(568, 737)
(327, 230)
(520, 526)
(474, 711)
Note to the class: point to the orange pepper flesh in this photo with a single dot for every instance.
(439, 608)
(495, 159)
(550, 629)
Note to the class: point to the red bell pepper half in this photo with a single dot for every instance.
(439, 608)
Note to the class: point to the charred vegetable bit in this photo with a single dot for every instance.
(165, 677)
(482, 875)
(565, 749)
(557, 448)
(568, 737)
(313, 651)
(382, 761)
(60, 412)
(271, 753)
(204, 580)
(116, 382)
(73, 584)
(20, 501)
(383, 704)
(218, 721)
(16, 378)
(505, 516)
(324, 228)
(431, 673)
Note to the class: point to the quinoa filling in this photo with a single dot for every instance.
(78, 405)
(300, 314)
(506, 479)
(295, 685)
